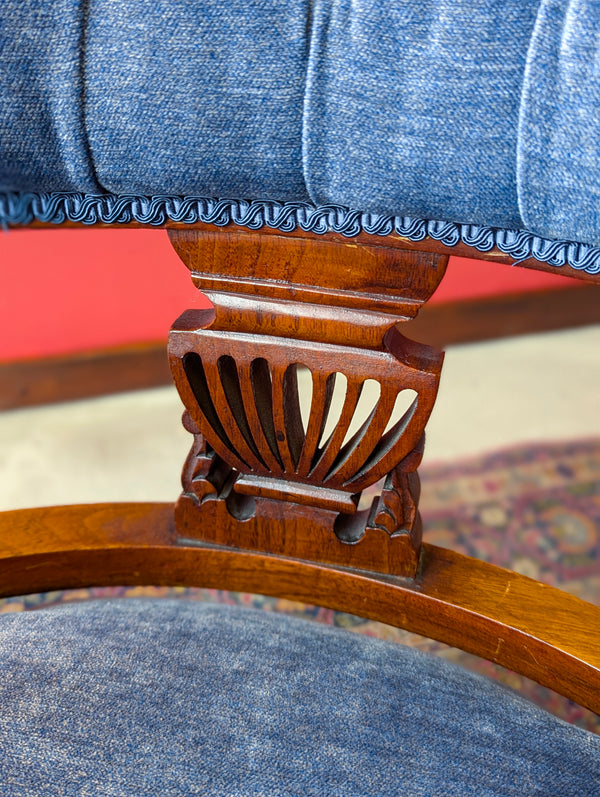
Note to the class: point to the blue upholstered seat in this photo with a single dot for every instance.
(151, 697)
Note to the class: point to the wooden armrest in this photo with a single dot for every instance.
(536, 629)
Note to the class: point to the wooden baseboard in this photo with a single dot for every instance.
(490, 317)
(27, 383)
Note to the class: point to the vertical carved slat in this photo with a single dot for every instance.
(293, 414)
(262, 389)
(395, 443)
(191, 379)
(332, 446)
(281, 387)
(249, 396)
(321, 403)
(228, 419)
(364, 442)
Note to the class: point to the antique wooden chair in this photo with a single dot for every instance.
(151, 697)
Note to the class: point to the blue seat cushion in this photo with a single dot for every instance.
(151, 697)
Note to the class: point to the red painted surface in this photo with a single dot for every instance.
(467, 279)
(67, 290)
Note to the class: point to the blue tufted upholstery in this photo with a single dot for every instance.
(172, 698)
(209, 100)
(462, 112)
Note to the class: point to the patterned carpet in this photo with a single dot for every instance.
(533, 509)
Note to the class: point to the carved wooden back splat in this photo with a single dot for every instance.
(280, 468)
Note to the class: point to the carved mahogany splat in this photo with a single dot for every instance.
(259, 475)
(269, 525)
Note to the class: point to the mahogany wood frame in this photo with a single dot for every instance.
(327, 297)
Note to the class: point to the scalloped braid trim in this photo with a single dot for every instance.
(55, 208)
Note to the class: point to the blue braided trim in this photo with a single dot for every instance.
(55, 208)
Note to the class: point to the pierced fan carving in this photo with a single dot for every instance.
(342, 436)
(302, 392)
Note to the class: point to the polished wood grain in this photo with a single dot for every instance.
(428, 245)
(320, 270)
(508, 618)
(259, 477)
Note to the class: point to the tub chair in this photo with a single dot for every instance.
(315, 164)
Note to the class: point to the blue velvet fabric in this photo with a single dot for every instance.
(190, 97)
(169, 698)
(43, 142)
(559, 136)
(482, 114)
(412, 108)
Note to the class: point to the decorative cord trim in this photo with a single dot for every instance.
(55, 208)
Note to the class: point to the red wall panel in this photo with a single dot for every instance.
(68, 290)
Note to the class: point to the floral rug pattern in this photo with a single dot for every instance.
(534, 509)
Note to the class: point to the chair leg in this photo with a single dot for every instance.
(265, 475)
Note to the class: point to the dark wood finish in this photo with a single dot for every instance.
(26, 383)
(429, 245)
(491, 317)
(320, 270)
(258, 477)
(546, 634)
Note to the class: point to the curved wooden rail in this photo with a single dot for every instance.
(546, 634)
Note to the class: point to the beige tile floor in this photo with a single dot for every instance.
(131, 446)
